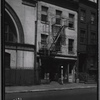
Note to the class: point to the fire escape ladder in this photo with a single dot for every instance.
(56, 38)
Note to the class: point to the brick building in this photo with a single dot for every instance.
(87, 37)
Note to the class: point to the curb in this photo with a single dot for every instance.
(54, 89)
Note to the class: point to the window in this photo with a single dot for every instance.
(70, 45)
(9, 34)
(93, 37)
(58, 44)
(7, 60)
(82, 15)
(44, 41)
(44, 38)
(44, 14)
(58, 17)
(82, 36)
(71, 21)
(55, 30)
(92, 18)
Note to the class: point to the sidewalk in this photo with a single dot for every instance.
(53, 86)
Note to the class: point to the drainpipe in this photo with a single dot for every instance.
(35, 51)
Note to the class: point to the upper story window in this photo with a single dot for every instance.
(44, 38)
(10, 35)
(55, 29)
(44, 14)
(92, 18)
(58, 17)
(44, 41)
(82, 15)
(71, 45)
(71, 21)
(93, 37)
(82, 36)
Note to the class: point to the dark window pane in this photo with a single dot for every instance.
(7, 60)
(82, 15)
(58, 21)
(71, 21)
(92, 18)
(44, 18)
(70, 45)
(44, 9)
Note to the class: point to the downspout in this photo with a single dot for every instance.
(35, 52)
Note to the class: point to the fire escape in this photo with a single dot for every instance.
(53, 47)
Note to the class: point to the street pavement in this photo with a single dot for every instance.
(53, 86)
(72, 94)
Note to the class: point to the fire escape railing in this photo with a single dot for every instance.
(53, 45)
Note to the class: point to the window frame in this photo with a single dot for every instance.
(93, 37)
(58, 17)
(83, 36)
(84, 17)
(71, 21)
(93, 22)
(44, 13)
(70, 46)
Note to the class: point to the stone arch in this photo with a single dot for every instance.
(16, 21)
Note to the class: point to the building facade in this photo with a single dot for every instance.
(20, 17)
(57, 40)
(40, 37)
(87, 37)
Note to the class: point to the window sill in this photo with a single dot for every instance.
(71, 52)
(71, 28)
(45, 22)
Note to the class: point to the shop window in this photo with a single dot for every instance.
(58, 17)
(7, 60)
(44, 14)
(71, 21)
(82, 15)
(70, 46)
